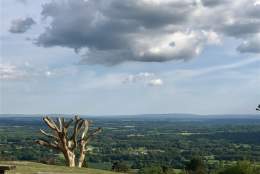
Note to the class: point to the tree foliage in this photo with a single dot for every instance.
(120, 167)
(195, 166)
(241, 168)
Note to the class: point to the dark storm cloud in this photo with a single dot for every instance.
(21, 25)
(115, 31)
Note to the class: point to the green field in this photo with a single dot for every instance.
(38, 168)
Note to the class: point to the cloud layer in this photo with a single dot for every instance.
(146, 78)
(114, 31)
(21, 25)
(27, 71)
(11, 72)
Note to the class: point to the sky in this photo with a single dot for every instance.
(121, 57)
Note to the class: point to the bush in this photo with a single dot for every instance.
(156, 170)
(241, 168)
(196, 166)
(120, 167)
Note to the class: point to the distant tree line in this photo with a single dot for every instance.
(194, 166)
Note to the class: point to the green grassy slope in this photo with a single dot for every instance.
(38, 168)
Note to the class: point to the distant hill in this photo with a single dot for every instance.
(23, 167)
(143, 116)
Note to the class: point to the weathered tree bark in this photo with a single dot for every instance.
(69, 143)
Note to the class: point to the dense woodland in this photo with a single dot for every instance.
(148, 144)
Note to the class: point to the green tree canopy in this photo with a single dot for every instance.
(241, 168)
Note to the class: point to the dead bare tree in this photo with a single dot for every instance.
(72, 142)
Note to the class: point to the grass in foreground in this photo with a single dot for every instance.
(38, 168)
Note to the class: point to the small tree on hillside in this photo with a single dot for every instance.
(195, 166)
(120, 167)
(72, 142)
(243, 167)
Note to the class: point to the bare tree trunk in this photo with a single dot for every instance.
(82, 153)
(81, 159)
(84, 142)
(70, 158)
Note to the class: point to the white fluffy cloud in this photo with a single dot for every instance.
(115, 31)
(112, 31)
(155, 82)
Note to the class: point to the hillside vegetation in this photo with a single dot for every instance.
(38, 168)
(143, 144)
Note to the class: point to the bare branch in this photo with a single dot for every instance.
(50, 123)
(60, 123)
(63, 123)
(47, 144)
(77, 125)
(66, 125)
(49, 135)
(85, 131)
(92, 135)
